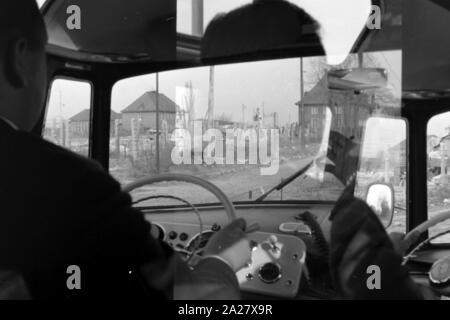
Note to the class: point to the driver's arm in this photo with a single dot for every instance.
(213, 278)
(65, 210)
(123, 235)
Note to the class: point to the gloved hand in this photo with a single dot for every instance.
(358, 241)
(230, 245)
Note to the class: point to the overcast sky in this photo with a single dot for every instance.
(274, 85)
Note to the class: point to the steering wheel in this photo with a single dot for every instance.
(439, 274)
(417, 231)
(221, 196)
(438, 218)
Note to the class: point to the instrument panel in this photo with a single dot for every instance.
(284, 235)
(277, 266)
(274, 272)
(277, 260)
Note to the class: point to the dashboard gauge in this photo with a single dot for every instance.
(198, 242)
(157, 232)
(440, 272)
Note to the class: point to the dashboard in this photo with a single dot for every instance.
(290, 260)
(285, 243)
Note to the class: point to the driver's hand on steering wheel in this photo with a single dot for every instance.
(231, 246)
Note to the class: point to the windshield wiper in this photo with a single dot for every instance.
(286, 181)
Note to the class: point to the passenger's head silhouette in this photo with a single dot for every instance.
(261, 25)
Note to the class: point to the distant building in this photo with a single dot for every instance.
(438, 158)
(144, 110)
(441, 145)
(79, 123)
(315, 103)
(349, 109)
(432, 142)
(398, 161)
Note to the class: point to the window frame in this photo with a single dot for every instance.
(407, 163)
(91, 107)
(436, 245)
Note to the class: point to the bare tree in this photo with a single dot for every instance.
(224, 117)
(318, 69)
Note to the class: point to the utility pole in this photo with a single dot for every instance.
(301, 107)
(190, 105)
(157, 124)
(197, 18)
(134, 140)
(210, 114)
(117, 137)
(263, 115)
(244, 107)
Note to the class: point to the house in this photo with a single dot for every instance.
(398, 161)
(440, 145)
(143, 109)
(438, 158)
(432, 142)
(349, 109)
(79, 123)
(313, 115)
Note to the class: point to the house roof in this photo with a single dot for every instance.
(85, 115)
(437, 146)
(319, 95)
(147, 103)
(115, 115)
(401, 146)
(81, 116)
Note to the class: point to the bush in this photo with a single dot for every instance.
(437, 193)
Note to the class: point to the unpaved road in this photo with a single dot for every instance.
(235, 184)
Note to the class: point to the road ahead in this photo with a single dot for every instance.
(235, 184)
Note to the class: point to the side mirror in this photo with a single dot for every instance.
(380, 197)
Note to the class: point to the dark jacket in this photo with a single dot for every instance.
(59, 209)
(355, 228)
